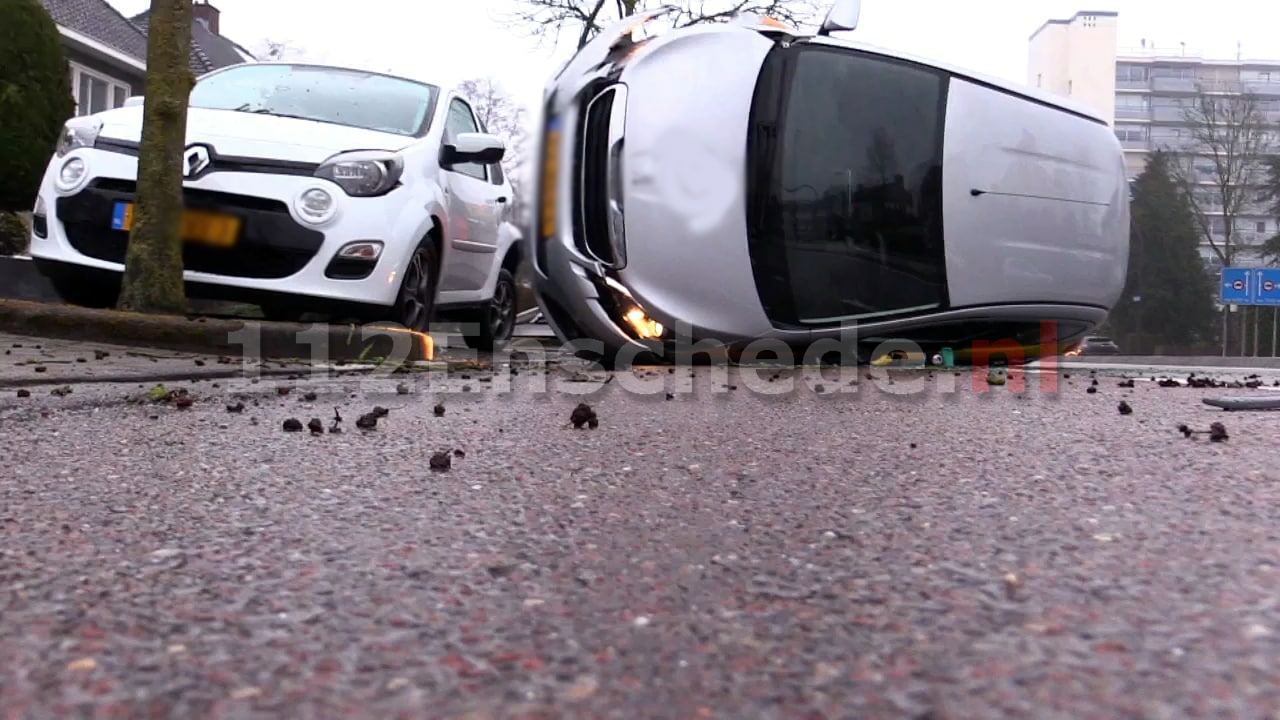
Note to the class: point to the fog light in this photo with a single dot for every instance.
(363, 250)
(645, 327)
(72, 174)
(315, 206)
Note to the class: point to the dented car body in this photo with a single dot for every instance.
(737, 182)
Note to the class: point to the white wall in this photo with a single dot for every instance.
(1077, 59)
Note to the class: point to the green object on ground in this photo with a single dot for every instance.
(948, 357)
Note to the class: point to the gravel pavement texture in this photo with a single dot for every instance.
(864, 551)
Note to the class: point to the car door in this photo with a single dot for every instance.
(472, 231)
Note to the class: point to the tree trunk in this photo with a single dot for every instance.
(153, 263)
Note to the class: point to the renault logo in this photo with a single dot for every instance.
(195, 160)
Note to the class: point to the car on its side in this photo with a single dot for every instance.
(723, 183)
(307, 189)
(1093, 345)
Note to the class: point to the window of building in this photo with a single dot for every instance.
(1131, 73)
(1261, 226)
(95, 92)
(1176, 72)
(1132, 133)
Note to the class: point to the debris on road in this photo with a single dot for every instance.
(1091, 389)
(293, 425)
(24, 393)
(1124, 408)
(584, 415)
(441, 461)
(1125, 383)
(402, 389)
(61, 391)
(236, 408)
(369, 420)
(315, 426)
(438, 410)
(1217, 432)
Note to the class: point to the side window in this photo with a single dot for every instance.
(495, 170)
(461, 120)
(860, 181)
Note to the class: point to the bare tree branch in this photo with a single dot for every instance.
(1222, 168)
(549, 18)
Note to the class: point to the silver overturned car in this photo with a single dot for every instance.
(724, 184)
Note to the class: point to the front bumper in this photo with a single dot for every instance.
(276, 251)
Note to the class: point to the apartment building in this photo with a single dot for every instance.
(1144, 93)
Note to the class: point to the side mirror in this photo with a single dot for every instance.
(133, 101)
(479, 148)
(843, 15)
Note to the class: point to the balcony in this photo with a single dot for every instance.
(1169, 114)
(1133, 113)
(1263, 88)
(1135, 144)
(1178, 85)
(1133, 84)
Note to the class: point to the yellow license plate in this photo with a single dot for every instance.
(550, 168)
(198, 226)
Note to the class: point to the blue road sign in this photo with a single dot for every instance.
(1236, 287)
(1266, 287)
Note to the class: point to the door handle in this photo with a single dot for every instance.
(502, 199)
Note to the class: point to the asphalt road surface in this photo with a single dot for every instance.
(864, 551)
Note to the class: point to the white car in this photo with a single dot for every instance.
(307, 188)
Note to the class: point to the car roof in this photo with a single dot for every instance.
(1008, 86)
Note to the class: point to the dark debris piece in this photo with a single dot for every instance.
(309, 397)
(438, 410)
(283, 389)
(1125, 383)
(584, 415)
(293, 425)
(1124, 408)
(459, 453)
(315, 426)
(24, 393)
(183, 401)
(1091, 389)
(1218, 432)
(236, 408)
(441, 461)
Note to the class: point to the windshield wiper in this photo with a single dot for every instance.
(268, 111)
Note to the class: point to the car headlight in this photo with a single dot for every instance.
(78, 133)
(363, 173)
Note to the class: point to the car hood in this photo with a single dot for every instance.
(251, 135)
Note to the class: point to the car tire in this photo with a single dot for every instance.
(415, 305)
(85, 289)
(494, 324)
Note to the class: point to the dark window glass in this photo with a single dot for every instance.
(859, 183)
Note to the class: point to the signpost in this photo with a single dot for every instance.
(1255, 287)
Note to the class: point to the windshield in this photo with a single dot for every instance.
(332, 95)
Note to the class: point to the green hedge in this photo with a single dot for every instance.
(35, 99)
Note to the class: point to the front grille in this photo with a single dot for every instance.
(591, 222)
(271, 244)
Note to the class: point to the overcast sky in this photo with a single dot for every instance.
(447, 41)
